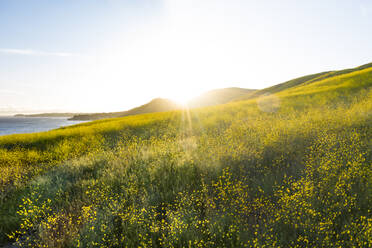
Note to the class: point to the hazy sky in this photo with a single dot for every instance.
(107, 55)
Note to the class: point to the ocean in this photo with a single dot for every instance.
(14, 125)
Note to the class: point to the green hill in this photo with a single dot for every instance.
(287, 169)
(218, 96)
(301, 81)
(213, 97)
(155, 105)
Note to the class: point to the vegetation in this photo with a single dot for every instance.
(214, 97)
(155, 105)
(291, 169)
(308, 79)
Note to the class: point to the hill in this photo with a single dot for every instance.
(301, 81)
(155, 105)
(218, 96)
(213, 97)
(289, 169)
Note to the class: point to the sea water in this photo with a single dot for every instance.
(13, 125)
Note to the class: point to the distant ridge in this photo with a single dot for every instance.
(222, 96)
(219, 96)
(213, 97)
(155, 105)
(301, 81)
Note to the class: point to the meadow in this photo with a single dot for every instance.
(290, 169)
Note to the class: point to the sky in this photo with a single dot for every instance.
(108, 55)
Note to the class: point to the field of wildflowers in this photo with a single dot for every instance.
(291, 169)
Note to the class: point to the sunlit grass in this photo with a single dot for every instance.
(232, 175)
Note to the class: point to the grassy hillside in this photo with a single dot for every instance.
(301, 81)
(155, 105)
(292, 169)
(214, 97)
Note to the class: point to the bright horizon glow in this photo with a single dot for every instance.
(181, 98)
(106, 56)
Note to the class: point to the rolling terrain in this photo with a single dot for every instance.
(301, 81)
(218, 96)
(155, 105)
(286, 166)
(214, 97)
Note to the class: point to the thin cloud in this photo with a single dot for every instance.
(10, 92)
(34, 52)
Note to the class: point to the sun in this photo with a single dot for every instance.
(182, 97)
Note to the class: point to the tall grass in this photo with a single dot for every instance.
(237, 175)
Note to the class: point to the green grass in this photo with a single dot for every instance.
(298, 82)
(289, 169)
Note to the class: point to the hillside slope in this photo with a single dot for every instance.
(241, 174)
(213, 97)
(218, 96)
(155, 105)
(301, 81)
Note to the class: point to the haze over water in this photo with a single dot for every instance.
(16, 125)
